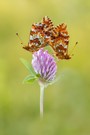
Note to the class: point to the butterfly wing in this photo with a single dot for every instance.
(39, 35)
(36, 40)
(60, 41)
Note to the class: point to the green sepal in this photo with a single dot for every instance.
(28, 66)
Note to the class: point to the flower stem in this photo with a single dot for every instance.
(41, 100)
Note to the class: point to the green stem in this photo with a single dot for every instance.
(41, 100)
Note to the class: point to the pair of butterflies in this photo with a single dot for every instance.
(45, 33)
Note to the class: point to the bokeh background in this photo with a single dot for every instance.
(67, 102)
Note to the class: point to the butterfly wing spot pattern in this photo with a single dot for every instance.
(45, 33)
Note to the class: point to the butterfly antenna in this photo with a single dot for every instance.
(19, 38)
(73, 49)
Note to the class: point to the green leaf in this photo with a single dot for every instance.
(28, 66)
(30, 78)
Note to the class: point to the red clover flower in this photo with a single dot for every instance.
(44, 65)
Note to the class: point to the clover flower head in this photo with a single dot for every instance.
(44, 65)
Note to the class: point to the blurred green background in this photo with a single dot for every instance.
(67, 102)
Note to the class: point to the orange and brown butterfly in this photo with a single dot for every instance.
(59, 42)
(40, 34)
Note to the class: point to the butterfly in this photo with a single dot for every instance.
(40, 35)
